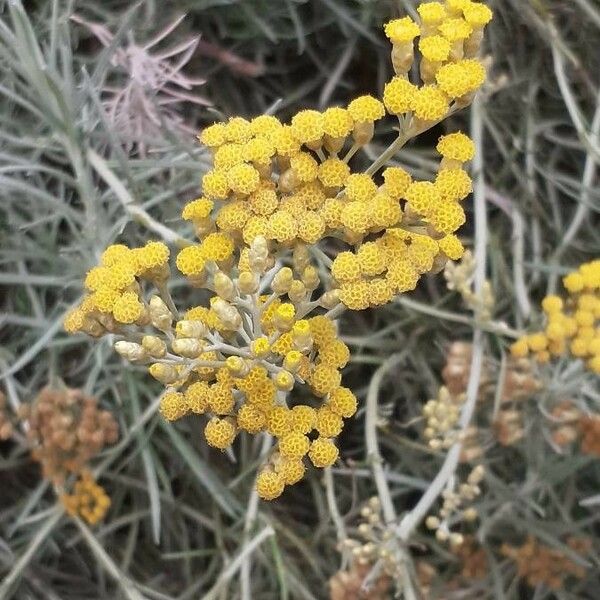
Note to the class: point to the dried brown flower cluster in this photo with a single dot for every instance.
(539, 564)
(88, 500)
(518, 383)
(473, 559)
(589, 427)
(66, 429)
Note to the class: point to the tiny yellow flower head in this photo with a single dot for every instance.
(286, 142)
(282, 226)
(452, 247)
(243, 179)
(431, 13)
(345, 267)
(237, 130)
(435, 48)
(453, 184)
(307, 126)
(552, 304)
(197, 396)
(455, 30)
(291, 470)
(337, 122)
(423, 197)
(460, 78)
(356, 216)
(304, 167)
(251, 418)
(360, 187)
(114, 254)
(333, 172)
(366, 109)
(398, 95)
(371, 259)
(229, 155)
(265, 125)
(294, 445)
(127, 308)
(260, 347)
(154, 255)
(477, 14)
(574, 282)
(279, 421)
(259, 150)
(343, 402)
(396, 181)
(173, 406)
(233, 216)
(269, 485)
(456, 146)
(104, 299)
(400, 31)
(355, 295)
(219, 433)
(430, 103)
(191, 260)
(74, 321)
(97, 278)
(447, 217)
(214, 135)
(303, 418)
(214, 184)
(263, 201)
(520, 348)
(216, 246)
(323, 452)
(386, 211)
(311, 227)
(198, 209)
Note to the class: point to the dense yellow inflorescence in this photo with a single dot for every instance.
(572, 324)
(88, 500)
(292, 183)
(262, 354)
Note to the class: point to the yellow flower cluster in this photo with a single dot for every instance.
(290, 184)
(573, 324)
(113, 288)
(255, 358)
(88, 500)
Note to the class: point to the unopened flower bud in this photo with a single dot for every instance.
(363, 132)
(310, 278)
(476, 474)
(297, 292)
(130, 351)
(247, 282)
(237, 366)
(301, 336)
(441, 535)
(164, 373)
(330, 299)
(292, 361)
(187, 347)
(283, 317)
(190, 329)
(228, 314)
(284, 381)
(224, 286)
(282, 282)
(432, 522)
(456, 539)
(160, 315)
(300, 257)
(258, 254)
(154, 346)
(470, 514)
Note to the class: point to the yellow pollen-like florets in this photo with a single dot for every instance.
(217, 247)
(259, 150)
(360, 187)
(294, 445)
(456, 146)
(307, 126)
(291, 470)
(371, 259)
(356, 216)
(401, 30)
(355, 295)
(304, 167)
(265, 125)
(311, 228)
(333, 172)
(423, 197)
(396, 181)
(460, 78)
(477, 14)
(337, 122)
(127, 308)
(429, 103)
(282, 226)
(452, 247)
(398, 95)
(214, 184)
(219, 433)
(269, 485)
(191, 260)
(435, 48)
(286, 143)
(214, 135)
(173, 406)
(366, 109)
(453, 184)
(431, 13)
(455, 29)
(303, 418)
(323, 452)
(243, 178)
(198, 209)
(343, 402)
(114, 254)
(345, 267)
(237, 130)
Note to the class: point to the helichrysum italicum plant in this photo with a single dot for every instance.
(572, 324)
(264, 354)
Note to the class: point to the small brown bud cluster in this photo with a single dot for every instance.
(508, 427)
(566, 423)
(456, 501)
(473, 559)
(518, 383)
(347, 585)
(6, 427)
(66, 430)
(538, 564)
(589, 427)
